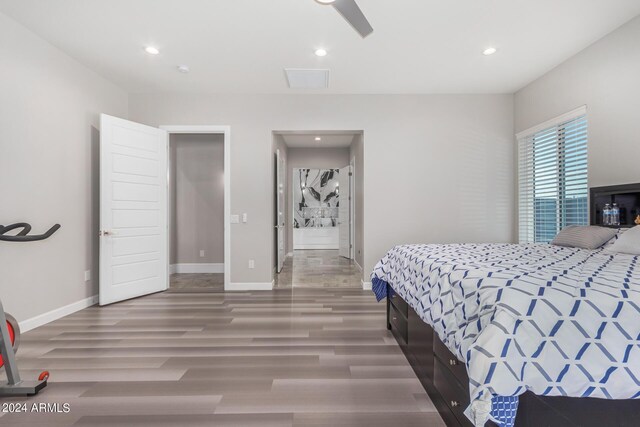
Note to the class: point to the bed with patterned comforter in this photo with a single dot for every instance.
(553, 320)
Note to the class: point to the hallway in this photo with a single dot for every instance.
(318, 269)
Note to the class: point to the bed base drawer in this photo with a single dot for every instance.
(400, 305)
(454, 395)
(450, 361)
(399, 325)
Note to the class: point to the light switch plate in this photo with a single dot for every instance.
(235, 219)
(244, 218)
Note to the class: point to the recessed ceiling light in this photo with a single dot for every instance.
(318, 138)
(151, 50)
(183, 68)
(321, 52)
(489, 51)
(326, 1)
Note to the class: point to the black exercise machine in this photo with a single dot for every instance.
(10, 330)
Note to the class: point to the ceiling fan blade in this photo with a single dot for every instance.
(352, 13)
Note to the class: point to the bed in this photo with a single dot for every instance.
(532, 334)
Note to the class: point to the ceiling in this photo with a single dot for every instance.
(242, 46)
(328, 140)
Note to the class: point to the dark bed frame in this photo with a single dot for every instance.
(445, 378)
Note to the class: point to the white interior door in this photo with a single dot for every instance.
(280, 213)
(133, 210)
(344, 214)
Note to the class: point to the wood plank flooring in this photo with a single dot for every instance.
(196, 282)
(293, 357)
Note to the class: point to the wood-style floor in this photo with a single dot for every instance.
(197, 282)
(296, 357)
(318, 269)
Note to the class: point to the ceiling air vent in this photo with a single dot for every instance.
(307, 79)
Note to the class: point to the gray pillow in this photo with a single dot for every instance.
(628, 243)
(584, 236)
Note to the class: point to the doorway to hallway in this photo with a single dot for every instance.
(196, 212)
(318, 210)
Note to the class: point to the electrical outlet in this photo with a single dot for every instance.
(201, 253)
(252, 264)
(87, 275)
(245, 218)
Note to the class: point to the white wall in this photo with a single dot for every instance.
(605, 77)
(197, 198)
(438, 167)
(49, 119)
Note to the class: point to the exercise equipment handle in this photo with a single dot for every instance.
(24, 236)
(26, 228)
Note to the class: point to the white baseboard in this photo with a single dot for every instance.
(245, 286)
(290, 254)
(196, 268)
(58, 313)
(367, 286)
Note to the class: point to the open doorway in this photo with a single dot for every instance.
(317, 213)
(135, 209)
(197, 212)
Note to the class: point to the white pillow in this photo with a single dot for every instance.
(627, 243)
(615, 238)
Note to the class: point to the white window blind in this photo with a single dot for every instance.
(552, 169)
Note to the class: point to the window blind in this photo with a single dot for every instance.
(552, 169)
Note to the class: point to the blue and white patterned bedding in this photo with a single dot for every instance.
(556, 321)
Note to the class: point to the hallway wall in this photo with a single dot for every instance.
(197, 198)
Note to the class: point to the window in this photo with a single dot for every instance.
(552, 169)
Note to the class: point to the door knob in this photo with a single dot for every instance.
(106, 233)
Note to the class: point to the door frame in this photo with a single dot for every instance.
(349, 168)
(206, 129)
(280, 158)
(352, 209)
